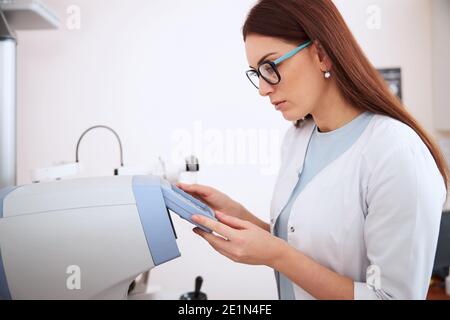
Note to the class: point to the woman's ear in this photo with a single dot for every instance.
(322, 57)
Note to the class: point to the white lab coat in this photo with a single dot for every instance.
(379, 204)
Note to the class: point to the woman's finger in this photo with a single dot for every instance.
(215, 226)
(202, 191)
(232, 222)
(219, 244)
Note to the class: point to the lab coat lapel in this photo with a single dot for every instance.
(295, 158)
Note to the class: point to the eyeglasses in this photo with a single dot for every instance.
(268, 70)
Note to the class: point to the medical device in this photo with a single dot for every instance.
(88, 238)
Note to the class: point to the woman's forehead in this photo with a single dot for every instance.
(259, 42)
(257, 46)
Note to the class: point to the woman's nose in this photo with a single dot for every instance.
(265, 88)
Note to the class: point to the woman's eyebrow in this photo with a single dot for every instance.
(264, 58)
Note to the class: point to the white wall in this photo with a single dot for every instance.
(441, 70)
(441, 62)
(152, 68)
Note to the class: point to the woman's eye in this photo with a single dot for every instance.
(268, 69)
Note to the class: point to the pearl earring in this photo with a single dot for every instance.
(327, 75)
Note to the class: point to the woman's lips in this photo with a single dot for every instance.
(281, 106)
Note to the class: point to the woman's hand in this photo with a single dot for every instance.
(215, 199)
(219, 201)
(241, 241)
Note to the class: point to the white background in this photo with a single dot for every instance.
(151, 68)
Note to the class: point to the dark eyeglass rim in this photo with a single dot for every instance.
(274, 68)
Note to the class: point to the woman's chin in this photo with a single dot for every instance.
(290, 116)
(293, 115)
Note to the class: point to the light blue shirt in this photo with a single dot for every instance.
(323, 148)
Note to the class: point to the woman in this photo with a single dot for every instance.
(356, 209)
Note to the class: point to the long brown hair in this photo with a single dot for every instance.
(360, 83)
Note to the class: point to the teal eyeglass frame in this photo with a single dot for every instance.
(274, 64)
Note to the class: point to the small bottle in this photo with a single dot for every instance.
(447, 283)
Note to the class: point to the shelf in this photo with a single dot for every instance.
(29, 15)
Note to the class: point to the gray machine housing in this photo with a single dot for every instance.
(110, 229)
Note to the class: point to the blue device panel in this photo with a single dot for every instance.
(185, 205)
